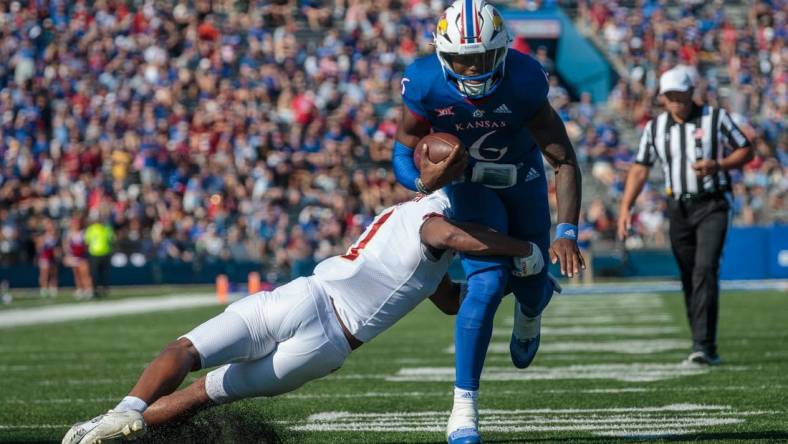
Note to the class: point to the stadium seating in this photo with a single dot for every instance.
(263, 132)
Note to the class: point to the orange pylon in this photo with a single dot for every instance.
(222, 288)
(254, 282)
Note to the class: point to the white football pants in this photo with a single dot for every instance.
(272, 342)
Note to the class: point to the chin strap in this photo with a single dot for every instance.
(466, 88)
(489, 85)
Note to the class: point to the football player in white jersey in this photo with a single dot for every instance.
(270, 343)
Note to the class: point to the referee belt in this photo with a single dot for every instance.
(700, 197)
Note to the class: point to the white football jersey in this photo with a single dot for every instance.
(388, 271)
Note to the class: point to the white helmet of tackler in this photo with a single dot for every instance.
(472, 32)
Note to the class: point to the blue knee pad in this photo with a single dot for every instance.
(474, 324)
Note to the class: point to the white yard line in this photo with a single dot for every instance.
(580, 304)
(634, 298)
(669, 286)
(89, 381)
(633, 372)
(597, 331)
(126, 379)
(367, 395)
(549, 320)
(601, 358)
(628, 347)
(568, 307)
(33, 426)
(58, 401)
(672, 427)
(102, 309)
(57, 358)
(621, 421)
(65, 366)
(492, 393)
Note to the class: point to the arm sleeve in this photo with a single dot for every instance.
(646, 152)
(731, 133)
(404, 169)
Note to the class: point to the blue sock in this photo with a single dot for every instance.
(474, 325)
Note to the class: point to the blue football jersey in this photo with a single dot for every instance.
(493, 129)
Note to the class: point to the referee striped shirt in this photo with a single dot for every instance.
(708, 133)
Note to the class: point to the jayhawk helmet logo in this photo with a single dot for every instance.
(497, 21)
(443, 25)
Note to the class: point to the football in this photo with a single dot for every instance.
(439, 146)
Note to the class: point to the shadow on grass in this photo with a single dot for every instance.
(219, 425)
(769, 436)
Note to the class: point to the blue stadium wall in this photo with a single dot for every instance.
(750, 253)
(578, 63)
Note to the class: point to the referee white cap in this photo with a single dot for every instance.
(676, 79)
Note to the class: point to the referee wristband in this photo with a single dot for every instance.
(566, 231)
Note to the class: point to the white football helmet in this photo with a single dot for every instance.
(471, 35)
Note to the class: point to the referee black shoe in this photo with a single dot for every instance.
(700, 358)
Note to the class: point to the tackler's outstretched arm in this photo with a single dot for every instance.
(469, 238)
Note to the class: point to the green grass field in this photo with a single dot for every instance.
(29, 298)
(608, 371)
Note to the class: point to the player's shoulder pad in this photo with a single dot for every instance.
(420, 74)
(419, 77)
(524, 64)
(531, 78)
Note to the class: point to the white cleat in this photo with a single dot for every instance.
(463, 426)
(108, 427)
(701, 359)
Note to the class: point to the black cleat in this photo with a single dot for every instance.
(700, 358)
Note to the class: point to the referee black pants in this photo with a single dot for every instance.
(697, 234)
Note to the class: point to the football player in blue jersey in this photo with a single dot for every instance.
(495, 101)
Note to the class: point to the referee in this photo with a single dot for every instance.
(696, 146)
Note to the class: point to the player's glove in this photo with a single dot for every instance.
(529, 265)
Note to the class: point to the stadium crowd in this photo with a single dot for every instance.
(737, 55)
(209, 130)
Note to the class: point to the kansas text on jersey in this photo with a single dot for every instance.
(493, 128)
